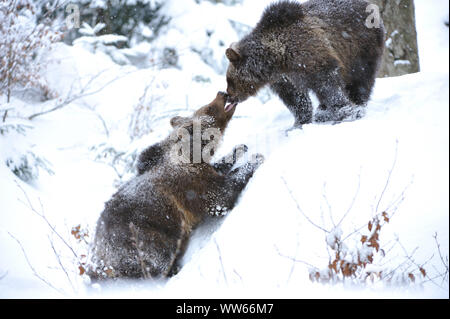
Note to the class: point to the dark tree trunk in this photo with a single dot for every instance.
(401, 55)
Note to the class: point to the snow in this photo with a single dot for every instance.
(312, 179)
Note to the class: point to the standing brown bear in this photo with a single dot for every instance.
(326, 46)
(145, 227)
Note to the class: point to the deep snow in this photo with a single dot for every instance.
(405, 131)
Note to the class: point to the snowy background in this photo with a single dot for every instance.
(316, 184)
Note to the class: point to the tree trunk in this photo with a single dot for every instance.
(401, 54)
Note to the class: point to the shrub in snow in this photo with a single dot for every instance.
(22, 42)
(122, 161)
(137, 20)
(170, 58)
(106, 43)
(362, 262)
(20, 158)
(143, 115)
(27, 166)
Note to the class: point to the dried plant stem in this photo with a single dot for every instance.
(30, 205)
(136, 243)
(443, 261)
(300, 210)
(81, 94)
(58, 258)
(32, 268)
(221, 261)
(176, 254)
(389, 177)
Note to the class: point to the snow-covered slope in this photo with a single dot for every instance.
(395, 158)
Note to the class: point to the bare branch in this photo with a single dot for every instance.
(60, 263)
(221, 262)
(444, 261)
(392, 208)
(32, 268)
(410, 258)
(293, 264)
(330, 212)
(4, 275)
(30, 205)
(353, 200)
(299, 209)
(237, 274)
(389, 176)
(295, 259)
(5, 114)
(140, 253)
(182, 238)
(82, 94)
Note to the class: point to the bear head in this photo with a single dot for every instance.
(242, 79)
(212, 115)
(193, 140)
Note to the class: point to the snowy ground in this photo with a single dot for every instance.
(311, 178)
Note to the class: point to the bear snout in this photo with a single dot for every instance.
(223, 94)
(221, 99)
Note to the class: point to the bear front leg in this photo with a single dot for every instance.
(297, 101)
(223, 196)
(225, 164)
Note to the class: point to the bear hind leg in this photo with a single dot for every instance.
(335, 105)
(358, 93)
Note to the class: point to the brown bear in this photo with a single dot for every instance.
(145, 227)
(324, 46)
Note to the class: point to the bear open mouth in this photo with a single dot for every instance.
(230, 106)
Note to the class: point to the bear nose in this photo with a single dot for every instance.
(224, 94)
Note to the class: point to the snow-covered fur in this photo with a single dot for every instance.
(144, 229)
(321, 45)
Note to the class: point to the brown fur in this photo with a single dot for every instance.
(145, 227)
(320, 45)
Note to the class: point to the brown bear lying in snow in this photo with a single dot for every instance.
(145, 227)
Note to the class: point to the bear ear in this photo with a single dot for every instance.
(149, 158)
(178, 120)
(232, 53)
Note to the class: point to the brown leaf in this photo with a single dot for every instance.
(363, 239)
(411, 276)
(347, 270)
(317, 275)
(369, 226)
(375, 237)
(82, 270)
(376, 246)
(109, 272)
(333, 266)
(424, 273)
